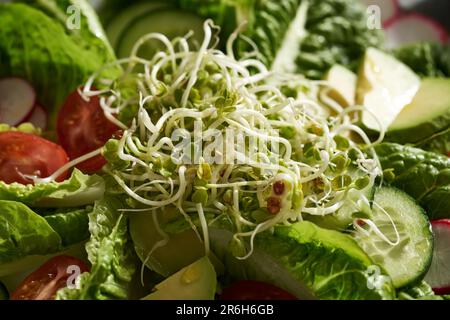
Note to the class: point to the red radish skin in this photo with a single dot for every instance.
(439, 274)
(414, 27)
(38, 117)
(17, 99)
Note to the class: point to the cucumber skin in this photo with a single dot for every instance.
(122, 21)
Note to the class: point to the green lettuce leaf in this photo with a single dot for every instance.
(423, 175)
(72, 225)
(309, 262)
(335, 31)
(39, 48)
(111, 254)
(78, 190)
(426, 59)
(439, 142)
(23, 233)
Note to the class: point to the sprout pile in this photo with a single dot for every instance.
(295, 152)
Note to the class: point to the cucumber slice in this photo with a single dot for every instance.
(408, 261)
(4, 294)
(356, 204)
(343, 218)
(120, 23)
(170, 22)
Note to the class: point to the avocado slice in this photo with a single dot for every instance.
(427, 116)
(307, 261)
(385, 86)
(181, 249)
(341, 85)
(195, 282)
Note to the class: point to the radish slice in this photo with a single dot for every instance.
(438, 277)
(38, 117)
(389, 9)
(17, 99)
(413, 28)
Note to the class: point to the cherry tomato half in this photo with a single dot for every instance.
(254, 290)
(82, 127)
(53, 275)
(27, 154)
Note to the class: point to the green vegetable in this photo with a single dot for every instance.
(24, 127)
(425, 176)
(110, 253)
(39, 48)
(407, 248)
(197, 281)
(356, 202)
(90, 34)
(78, 190)
(439, 142)
(380, 90)
(156, 21)
(427, 59)
(23, 232)
(70, 224)
(122, 20)
(426, 119)
(337, 33)
(309, 262)
(165, 259)
(4, 294)
(422, 291)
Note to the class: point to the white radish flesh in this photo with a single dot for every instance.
(17, 99)
(38, 117)
(414, 28)
(438, 277)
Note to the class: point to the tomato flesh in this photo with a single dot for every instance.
(27, 154)
(82, 127)
(254, 290)
(53, 275)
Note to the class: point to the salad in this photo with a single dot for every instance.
(200, 150)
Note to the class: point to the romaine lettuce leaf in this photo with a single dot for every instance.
(423, 175)
(335, 31)
(39, 48)
(426, 59)
(72, 225)
(23, 233)
(111, 254)
(78, 190)
(309, 262)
